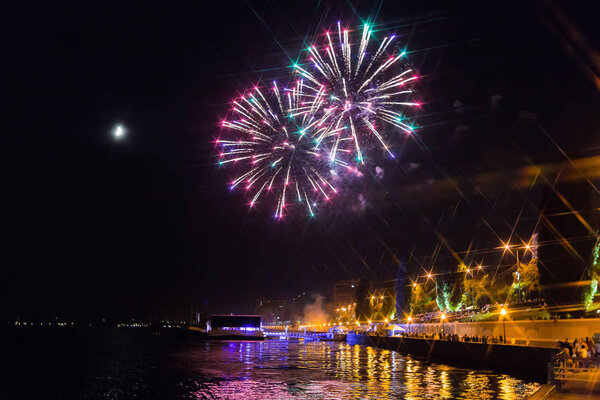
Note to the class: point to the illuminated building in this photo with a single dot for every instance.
(344, 299)
(275, 311)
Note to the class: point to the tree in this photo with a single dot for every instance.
(363, 308)
(421, 299)
(530, 276)
(594, 273)
(477, 290)
(400, 290)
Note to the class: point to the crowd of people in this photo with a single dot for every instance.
(581, 348)
(455, 338)
(472, 314)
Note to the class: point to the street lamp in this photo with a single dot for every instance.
(442, 318)
(526, 247)
(409, 319)
(503, 313)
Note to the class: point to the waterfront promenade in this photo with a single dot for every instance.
(540, 333)
(580, 381)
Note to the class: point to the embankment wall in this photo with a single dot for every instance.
(526, 361)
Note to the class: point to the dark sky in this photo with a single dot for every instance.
(143, 226)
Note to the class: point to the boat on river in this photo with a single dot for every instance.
(235, 327)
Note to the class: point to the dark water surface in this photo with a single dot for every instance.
(130, 364)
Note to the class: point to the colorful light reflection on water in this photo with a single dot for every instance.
(328, 370)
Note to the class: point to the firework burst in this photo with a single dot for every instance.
(365, 89)
(278, 139)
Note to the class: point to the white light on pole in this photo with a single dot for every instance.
(503, 313)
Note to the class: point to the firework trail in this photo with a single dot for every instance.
(365, 89)
(278, 138)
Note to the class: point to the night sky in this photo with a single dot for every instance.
(144, 226)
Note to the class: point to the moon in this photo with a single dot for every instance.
(119, 132)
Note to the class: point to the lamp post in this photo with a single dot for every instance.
(409, 319)
(472, 295)
(442, 318)
(525, 248)
(503, 314)
(518, 277)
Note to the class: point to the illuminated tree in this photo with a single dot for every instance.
(529, 277)
(477, 290)
(594, 273)
(449, 298)
(422, 299)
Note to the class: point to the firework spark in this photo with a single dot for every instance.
(278, 138)
(365, 90)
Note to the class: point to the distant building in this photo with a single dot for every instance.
(344, 299)
(275, 311)
(364, 290)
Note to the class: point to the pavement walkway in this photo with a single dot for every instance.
(580, 385)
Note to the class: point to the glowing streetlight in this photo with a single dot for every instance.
(503, 313)
(409, 319)
(442, 318)
(415, 284)
(525, 247)
(428, 276)
(479, 267)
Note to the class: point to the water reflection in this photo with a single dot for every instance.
(314, 370)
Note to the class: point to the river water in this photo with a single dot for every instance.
(125, 365)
